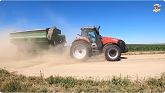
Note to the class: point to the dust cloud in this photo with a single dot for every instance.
(15, 54)
(7, 50)
(20, 53)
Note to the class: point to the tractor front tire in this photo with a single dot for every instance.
(80, 50)
(112, 53)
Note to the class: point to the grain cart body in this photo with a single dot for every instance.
(41, 38)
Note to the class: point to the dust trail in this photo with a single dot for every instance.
(11, 54)
(7, 50)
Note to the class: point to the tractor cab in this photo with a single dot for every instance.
(93, 35)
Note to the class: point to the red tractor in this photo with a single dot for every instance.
(91, 43)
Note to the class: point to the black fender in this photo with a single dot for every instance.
(122, 46)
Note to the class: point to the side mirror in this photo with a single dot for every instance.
(99, 27)
(78, 34)
(97, 30)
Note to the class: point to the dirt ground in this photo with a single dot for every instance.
(132, 65)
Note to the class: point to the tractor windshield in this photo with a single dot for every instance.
(89, 34)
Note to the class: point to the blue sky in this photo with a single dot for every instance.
(132, 21)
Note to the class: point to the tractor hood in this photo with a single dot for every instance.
(117, 41)
(109, 40)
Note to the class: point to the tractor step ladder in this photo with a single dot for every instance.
(95, 50)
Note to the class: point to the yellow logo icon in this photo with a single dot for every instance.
(156, 8)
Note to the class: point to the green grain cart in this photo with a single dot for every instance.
(42, 38)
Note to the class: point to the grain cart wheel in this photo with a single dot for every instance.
(112, 53)
(80, 50)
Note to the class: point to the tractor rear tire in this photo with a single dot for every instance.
(112, 53)
(81, 50)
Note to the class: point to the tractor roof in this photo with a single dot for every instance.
(84, 28)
